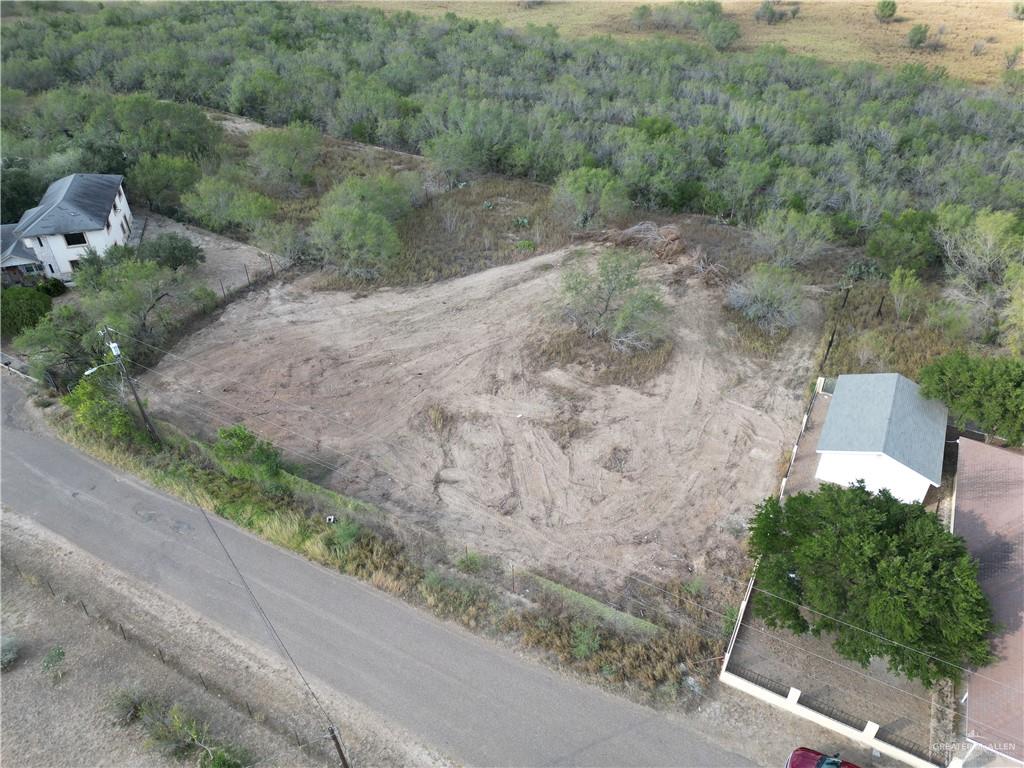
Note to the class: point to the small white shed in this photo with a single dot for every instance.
(880, 429)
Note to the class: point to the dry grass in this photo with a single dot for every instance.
(569, 347)
(832, 31)
(869, 338)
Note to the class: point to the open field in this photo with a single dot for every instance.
(832, 31)
(432, 403)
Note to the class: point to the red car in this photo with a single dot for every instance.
(802, 757)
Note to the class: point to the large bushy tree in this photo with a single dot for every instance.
(988, 391)
(883, 578)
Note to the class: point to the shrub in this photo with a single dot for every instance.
(1018, 11)
(10, 647)
(97, 408)
(51, 286)
(22, 308)
(885, 10)
(769, 297)
(126, 705)
(221, 204)
(906, 291)
(791, 237)
(171, 250)
(988, 391)
(389, 196)
(286, 156)
(243, 455)
(591, 197)
(362, 243)
(767, 13)
(471, 562)
(615, 303)
(917, 36)
(53, 663)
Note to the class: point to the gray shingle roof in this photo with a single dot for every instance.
(12, 248)
(885, 413)
(77, 203)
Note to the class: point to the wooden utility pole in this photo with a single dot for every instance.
(337, 745)
(131, 385)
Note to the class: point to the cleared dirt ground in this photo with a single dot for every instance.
(430, 403)
(830, 30)
(68, 723)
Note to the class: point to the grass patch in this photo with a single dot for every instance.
(596, 610)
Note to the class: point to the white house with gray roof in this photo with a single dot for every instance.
(880, 429)
(77, 212)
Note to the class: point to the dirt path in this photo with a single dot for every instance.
(99, 661)
(543, 468)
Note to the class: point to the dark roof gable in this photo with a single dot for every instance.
(77, 203)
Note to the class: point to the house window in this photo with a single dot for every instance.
(74, 238)
(40, 241)
(51, 268)
(123, 230)
(116, 209)
(74, 264)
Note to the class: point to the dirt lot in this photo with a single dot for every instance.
(429, 402)
(832, 31)
(68, 723)
(229, 265)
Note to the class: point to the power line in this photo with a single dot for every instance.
(548, 541)
(349, 427)
(696, 625)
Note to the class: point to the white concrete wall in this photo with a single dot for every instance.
(868, 737)
(876, 470)
(57, 255)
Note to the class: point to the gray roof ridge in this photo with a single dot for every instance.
(60, 199)
(889, 416)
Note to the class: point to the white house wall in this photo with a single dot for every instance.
(876, 470)
(57, 255)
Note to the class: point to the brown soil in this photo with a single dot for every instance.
(68, 723)
(544, 468)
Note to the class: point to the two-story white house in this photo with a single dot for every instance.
(80, 211)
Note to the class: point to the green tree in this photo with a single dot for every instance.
(362, 243)
(884, 578)
(161, 180)
(885, 10)
(171, 250)
(614, 302)
(60, 346)
(906, 291)
(591, 197)
(907, 240)
(22, 308)
(286, 156)
(988, 391)
(243, 455)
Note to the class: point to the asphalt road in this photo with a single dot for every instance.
(471, 699)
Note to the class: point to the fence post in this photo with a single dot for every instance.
(247, 280)
(222, 291)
